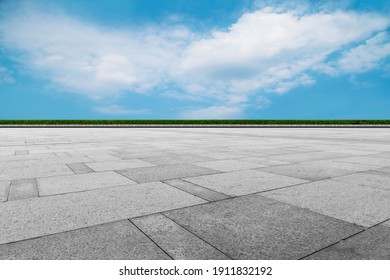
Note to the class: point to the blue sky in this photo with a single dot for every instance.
(204, 59)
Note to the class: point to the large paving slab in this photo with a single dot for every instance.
(244, 182)
(254, 227)
(367, 160)
(165, 172)
(30, 218)
(176, 240)
(229, 165)
(306, 171)
(352, 203)
(371, 244)
(196, 190)
(371, 180)
(80, 182)
(112, 241)
(117, 164)
(4, 190)
(185, 158)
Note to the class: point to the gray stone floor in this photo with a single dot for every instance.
(195, 193)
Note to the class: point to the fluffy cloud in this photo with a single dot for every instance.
(273, 51)
(267, 50)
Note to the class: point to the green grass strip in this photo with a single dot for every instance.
(194, 122)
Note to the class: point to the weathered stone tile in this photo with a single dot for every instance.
(352, 203)
(4, 190)
(30, 218)
(264, 161)
(340, 165)
(174, 159)
(306, 171)
(39, 170)
(80, 182)
(198, 191)
(302, 157)
(367, 160)
(112, 241)
(229, 165)
(79, 168)
(254, 227)
(371, 244)
(22, 152)
(243, 182)
(371, 180)
(175, 240)
(102, 157)
(164, 172)
(118, 164)
(22, 189)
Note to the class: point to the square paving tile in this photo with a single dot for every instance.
(352, 203)
(79, 168)
(254, 227)
(22, 189)
(165, 172)
(30, 218)
(112, 241)
(179, 243)
(244, 182)
(81, 182)
(371, 244)
(229, 165)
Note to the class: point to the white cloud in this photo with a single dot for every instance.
(5, 76)
(268, 50)
(118, 110)
(213, 112)
(272, 51)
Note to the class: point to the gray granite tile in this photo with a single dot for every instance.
(22, 152)
(165, 172)
(340, 165)
(4, 190)
(367, 160)
(229, 165)
(79, 168)
(372, 180)
(173, 159)
(30, 218)
(352, 203)
(254, 227)
(22, 189)
(179, 243)
(198, 191)
(112, 241)
(80, 182)
(306, 171)
(371, 244)
(243, 182)
(34, 171)
(118, 164)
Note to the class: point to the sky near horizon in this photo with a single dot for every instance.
(203, 59)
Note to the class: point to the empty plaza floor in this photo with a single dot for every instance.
(194, 193)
